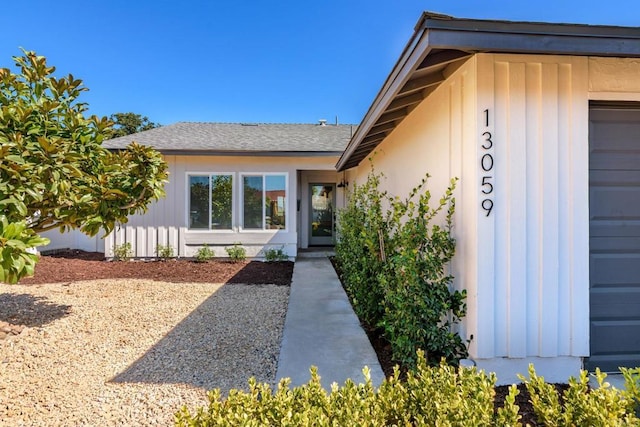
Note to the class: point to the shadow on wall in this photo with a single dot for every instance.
(233, 334)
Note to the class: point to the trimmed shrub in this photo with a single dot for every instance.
(122, 252)
(601, 406)
(441, 395)
(275, 255)
(164, 252)
(204, 254)
(430, 396)
(237, 253)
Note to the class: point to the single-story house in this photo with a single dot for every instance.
(541, 123)
(263, 186)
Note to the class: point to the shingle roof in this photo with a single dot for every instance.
(241, 138)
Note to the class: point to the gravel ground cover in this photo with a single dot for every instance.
(131, 352)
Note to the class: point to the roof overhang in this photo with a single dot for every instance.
(442, 43)
(238, 153)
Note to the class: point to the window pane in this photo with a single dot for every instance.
(275, 201)
(221, 207)
(198, 202)
(252, 199)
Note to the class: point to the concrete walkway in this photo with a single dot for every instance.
(322, 330)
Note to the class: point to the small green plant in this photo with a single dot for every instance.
(237, 253)
(204, 254)
(275, 255)
(122, 252)
(164, 251)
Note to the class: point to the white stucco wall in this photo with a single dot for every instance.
(166, 220)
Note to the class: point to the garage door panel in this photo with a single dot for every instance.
(614, 236)
(614, 178)
(615, 302)
(615, 203)
(624, 234)
(609, 160)
(619, 269)
(607, 334)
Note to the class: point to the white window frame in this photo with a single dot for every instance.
(264, 216)
(188, 202)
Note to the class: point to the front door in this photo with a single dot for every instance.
(322, 203)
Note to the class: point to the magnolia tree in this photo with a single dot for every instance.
(54, 171)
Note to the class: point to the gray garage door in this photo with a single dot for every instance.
(614, 237)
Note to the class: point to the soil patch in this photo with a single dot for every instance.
(74, 265)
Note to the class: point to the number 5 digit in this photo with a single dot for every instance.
(486, 183)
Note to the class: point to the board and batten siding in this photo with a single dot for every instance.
(166, 220)
(525, 266)
(533, 248)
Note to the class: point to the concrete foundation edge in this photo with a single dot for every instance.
(553, 369)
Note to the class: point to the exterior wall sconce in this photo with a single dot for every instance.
(343, 184)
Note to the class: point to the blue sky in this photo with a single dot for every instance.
(247, 61)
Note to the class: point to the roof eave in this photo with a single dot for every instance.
(244, 153)
(439, 33)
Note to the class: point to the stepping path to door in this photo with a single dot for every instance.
(322, 330)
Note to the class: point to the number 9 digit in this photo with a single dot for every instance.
(487, 205)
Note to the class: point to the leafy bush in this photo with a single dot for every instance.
(204, 254)
(361, 229)
(394, 262)
(581, 405)
(440, 395)
(164, 251)
(275, 255)
(16, 239)
(237, 253)
(421, 307)
(430, 396)
(122, 252)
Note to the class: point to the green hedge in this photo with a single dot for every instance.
(393, 255)
(430, 396)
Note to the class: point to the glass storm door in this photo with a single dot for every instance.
(323, 200)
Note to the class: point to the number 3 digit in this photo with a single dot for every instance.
(487, 140)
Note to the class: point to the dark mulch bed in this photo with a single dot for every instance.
(73, 265)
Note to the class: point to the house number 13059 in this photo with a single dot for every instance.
(486, 164)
